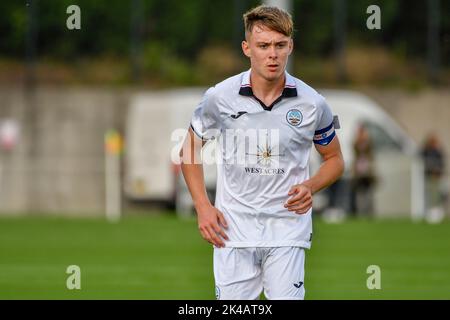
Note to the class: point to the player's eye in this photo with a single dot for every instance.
(263, 46)
(281, 45)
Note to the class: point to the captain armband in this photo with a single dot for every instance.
(324, 136)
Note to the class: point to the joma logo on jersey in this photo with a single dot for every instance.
(240, 113)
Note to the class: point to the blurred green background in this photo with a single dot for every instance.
(163, 257)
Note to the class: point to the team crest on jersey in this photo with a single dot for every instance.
(294, 117)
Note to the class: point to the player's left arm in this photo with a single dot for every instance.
(301, 195)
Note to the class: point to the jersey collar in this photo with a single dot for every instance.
(290, 89)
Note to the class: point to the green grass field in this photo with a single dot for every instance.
(161, 257)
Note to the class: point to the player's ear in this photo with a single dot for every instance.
(246, 48)
(291, 45)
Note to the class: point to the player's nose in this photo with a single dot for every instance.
(273, 52)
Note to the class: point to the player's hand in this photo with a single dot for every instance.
(210, 224)
(301, 199)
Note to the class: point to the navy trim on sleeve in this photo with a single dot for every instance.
(324, 129)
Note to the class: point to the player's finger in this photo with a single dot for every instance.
(304, 208)
(295, 199)
(292, 200)
(301, 211)
(222, 220)
(209, 237)
(219, 230)
(215, 239)
(301, 203)
(301, 195)
(292, 191)
(298, 201)
(204, 235)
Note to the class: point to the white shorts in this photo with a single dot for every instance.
(243, 273)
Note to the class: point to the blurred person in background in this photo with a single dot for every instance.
(364, 177)
(261, 223)
(339, 201)
(435, 194)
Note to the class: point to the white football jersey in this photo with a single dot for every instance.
(262, 151)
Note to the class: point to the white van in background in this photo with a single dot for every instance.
(155, 127)
(157, 122)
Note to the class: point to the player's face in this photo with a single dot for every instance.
(268, 51)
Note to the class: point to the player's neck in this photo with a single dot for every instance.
(265, 90)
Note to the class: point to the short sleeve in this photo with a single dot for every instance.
(205, 120)
(325, 131)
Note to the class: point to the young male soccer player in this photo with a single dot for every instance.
(265, 122)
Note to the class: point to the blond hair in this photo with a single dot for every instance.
(271, 17)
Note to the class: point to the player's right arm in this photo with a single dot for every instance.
(210, 220)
